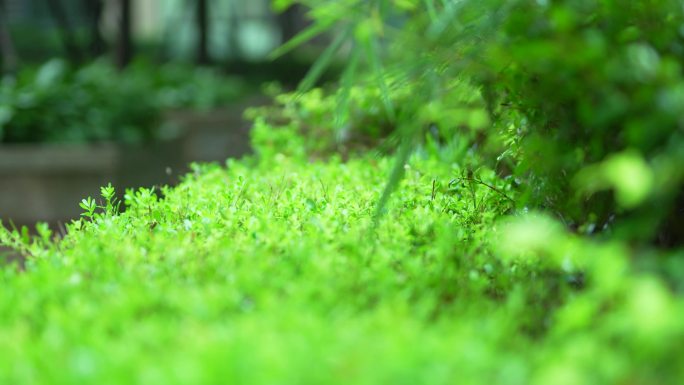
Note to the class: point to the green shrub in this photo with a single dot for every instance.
(97, 103)
(582, 97)
(596, 91)
(54, 104)
(178, 86)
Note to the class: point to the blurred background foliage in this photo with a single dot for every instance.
(236, 30)
(91, 71)
(96, 102)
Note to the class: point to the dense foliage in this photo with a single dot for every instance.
(96, 103)
(580, 97)
(274, 271)
(532, 237)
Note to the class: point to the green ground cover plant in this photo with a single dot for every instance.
(499, 206)
(276, 269)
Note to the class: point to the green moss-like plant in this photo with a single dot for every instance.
(274, 271)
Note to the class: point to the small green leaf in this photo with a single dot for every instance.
(301, 38)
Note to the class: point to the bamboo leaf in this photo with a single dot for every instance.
(373, 53)
(346, 81)
(301, 38)
(432, 12)
(323, 61)
(445, 19)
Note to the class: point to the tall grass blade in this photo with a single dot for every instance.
(432, 12)
(347, 80)
(373, 53)
(397, 174)
(301, 38)
(323, 61)
(445, 19)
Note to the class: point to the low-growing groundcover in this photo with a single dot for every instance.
(274, 271)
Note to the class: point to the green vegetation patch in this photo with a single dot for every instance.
(533, 235)
(96, 103)
(276, 271)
